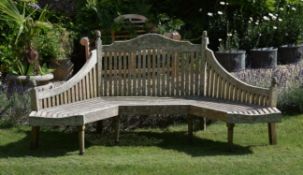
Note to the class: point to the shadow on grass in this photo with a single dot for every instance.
(55, 143)
(176, 140)
(52, 144)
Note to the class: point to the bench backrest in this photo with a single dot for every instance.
(152, 65)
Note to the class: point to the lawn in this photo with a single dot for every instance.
(155, 151)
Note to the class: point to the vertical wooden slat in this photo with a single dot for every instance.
(105, 74)
(209, 83)
(87, 87)
(154, 70)
(125, 73)
(158, 62)
(120, 74)
(197, 74)
(144, 73)
(164, 85)
(141, 83)
(130, 55)
(115, 56)
(110, 74)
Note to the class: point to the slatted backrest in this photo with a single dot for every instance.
(152, 65)
(220, 84)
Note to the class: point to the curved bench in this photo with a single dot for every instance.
(150, 75)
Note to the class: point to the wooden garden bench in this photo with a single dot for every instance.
(149, 75)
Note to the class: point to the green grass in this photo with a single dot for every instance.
(155, 151)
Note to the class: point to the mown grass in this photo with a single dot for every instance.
(155, 151)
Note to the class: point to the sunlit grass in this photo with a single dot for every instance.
(156, 151)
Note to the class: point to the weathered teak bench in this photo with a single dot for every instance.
(151, 75)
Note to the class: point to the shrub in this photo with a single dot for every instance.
(291, 101)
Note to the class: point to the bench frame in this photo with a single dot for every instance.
(218, 84)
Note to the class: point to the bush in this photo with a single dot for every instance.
(291, 101)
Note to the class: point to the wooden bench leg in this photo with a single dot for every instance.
(99, 128)
(35, 137)
(81, 130)
(117, 128)
(230, 133)
(272, 133)
(204, 123)
(190, 122)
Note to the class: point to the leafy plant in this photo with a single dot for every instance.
(30, 26)
(167, 24)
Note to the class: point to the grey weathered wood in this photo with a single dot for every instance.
(272, 133)
(230, 133)
(35, 137)
(152, 75)
(81, 130)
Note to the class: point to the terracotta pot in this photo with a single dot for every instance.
(290, 54)
(63, 69)
(232, 61)
(262, 58)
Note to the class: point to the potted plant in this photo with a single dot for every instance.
(229, 55)
(290, 35)
(58, 51)
(259, 37)
(26, 63)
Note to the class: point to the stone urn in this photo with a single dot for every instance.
(22, 83)
(290, 54)
(262, 58)
(232, 61)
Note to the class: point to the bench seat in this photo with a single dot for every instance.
(96, 109)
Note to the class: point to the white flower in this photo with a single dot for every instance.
(220, 39)
(257, 22)
(275, 27)
(281, 8)
(222, 3)
(229, 34)
(251, 19)
(266, 18)
(280, 19)
(293, 9)
(220, 13)
(270, 14)
(273, 17)
(210, 14)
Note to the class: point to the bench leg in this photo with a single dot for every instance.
(203, 123)
(117, 128)
(81, 130)
(272, 133)
(99, 128)
(190, 122)
(230, 133)
(35, 137)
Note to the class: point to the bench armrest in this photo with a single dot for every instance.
(83, 85)
(219, 83)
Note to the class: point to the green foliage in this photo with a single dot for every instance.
(30, 28)
(230, 43)
(167, 24)
(291, 101)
